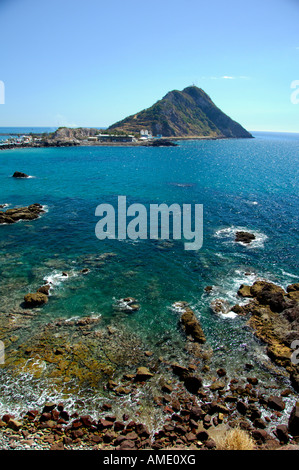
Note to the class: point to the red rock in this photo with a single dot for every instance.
(67, 440)
(260, 435)
(106, 407)
(293, 423)
(142, 430)
(110, 418)
(282, 433)
(55, 415)
(45, 417)
(109, 436)
(48, 407)
(64, 415)
(210, 444)
(127, 445)
(104, 424)
(57, 446)
(32, 414)
(78, 433)
(118, 426)
(96, 438)
(86, 421)
(77, 423)
(7, 417)
(119, 440)
(132, 436)
(190, 436)
(276, 403)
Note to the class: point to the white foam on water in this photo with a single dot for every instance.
(229, 234)
(56, 278)
(289, 274)
(178, 307)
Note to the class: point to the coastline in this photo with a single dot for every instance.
(184, 396)
(196, 403)
(49, 144)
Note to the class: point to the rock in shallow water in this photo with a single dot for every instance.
(11, 216)
(35, 300)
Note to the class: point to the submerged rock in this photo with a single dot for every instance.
(220, 306)
(128, 304)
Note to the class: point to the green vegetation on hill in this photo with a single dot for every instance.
(187, 113)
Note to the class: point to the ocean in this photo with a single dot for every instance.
(243, 184)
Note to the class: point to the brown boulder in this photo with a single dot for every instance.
(44, 289)
(244, 291)
(143, 374)
(35, 300)
(276, 403)
(192, 326)
(293, 287)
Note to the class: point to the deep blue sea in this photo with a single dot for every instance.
(249, 184)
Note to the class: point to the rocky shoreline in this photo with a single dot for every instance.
(274, 316)
(197, 405)
(11, 216)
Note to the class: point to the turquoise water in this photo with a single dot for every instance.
(250, 184)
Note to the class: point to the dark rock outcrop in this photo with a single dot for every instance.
(244, 237)
(293, 424)
(19, 174)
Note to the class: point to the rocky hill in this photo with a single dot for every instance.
(187, 113)
(67, 133)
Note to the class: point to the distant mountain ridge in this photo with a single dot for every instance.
(187, 113)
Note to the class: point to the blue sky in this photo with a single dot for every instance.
(92, 63)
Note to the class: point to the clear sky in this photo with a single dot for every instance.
(93, 62)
